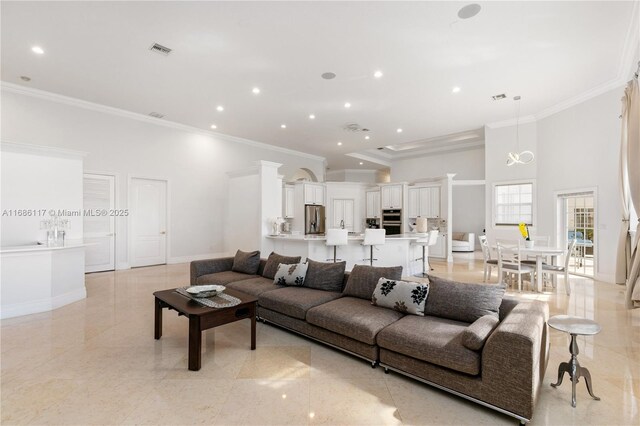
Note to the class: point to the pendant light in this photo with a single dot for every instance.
(518, 157)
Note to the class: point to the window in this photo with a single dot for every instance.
(513, 204)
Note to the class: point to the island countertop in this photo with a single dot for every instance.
(351, 237)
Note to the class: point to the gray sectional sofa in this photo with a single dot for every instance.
(504, 371)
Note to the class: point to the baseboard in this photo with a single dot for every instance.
(607, 278)
(191, 258)
(42, 305)
(122, 265)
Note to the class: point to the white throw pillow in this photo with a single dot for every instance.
(290, 274)
(403, 296)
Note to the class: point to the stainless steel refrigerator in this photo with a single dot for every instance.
(314, 219)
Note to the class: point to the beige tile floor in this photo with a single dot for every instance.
(96, 362)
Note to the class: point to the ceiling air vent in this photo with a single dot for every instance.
(354, 127)
(158, 48)
(499, 97)
(156, 114)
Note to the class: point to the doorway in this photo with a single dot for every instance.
(148, 222)
(577, 214)
(99, 228)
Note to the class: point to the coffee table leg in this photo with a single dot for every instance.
(253, 330)
(158, 319)
(195, 343)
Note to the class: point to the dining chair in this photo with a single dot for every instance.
(540, 241)
(486, 255)
(552, 269)
(509, 263)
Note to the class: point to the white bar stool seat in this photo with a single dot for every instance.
(374, 237)
(430, 240)
(335, 238)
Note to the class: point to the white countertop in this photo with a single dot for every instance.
(39, 247)
(358, 237)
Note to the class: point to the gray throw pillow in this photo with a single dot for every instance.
(363, 279)
(326, 276)
(274, 260)
(246, 262)
(463, 302)
(474, 336)
(291, 274)
(403, 296)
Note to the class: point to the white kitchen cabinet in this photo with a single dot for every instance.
(343, 214)
(373, 204)
(289, 201)
(314, 194)
(391, 196)
(424, 202)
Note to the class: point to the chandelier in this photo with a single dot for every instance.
(519, 157)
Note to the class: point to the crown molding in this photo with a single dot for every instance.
(92, 106)
(369, 158)
(511, 122)
(25, 148)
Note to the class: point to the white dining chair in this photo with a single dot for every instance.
(509, 263)
(489, 263)
(335, 238)
(564, 269)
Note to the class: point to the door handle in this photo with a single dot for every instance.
(163, 232)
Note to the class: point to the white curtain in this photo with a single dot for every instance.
(623, 262)
(631, 118)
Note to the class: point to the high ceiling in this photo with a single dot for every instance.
(546, 52)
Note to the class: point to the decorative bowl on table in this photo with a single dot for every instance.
(205, 290)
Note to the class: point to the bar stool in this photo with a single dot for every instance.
(430, 240)
(373, 237)
(335, 238)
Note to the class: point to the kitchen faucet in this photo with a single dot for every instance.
(342, 224)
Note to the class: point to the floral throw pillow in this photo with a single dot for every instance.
(290, 274)
(403, 296)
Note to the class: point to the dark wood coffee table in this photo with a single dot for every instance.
(203, 318)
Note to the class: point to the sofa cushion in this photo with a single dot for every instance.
(326, 276)
(223, 278)
(477, 333)
(296, 301)
(254, 286)
(363, 279)
(458, 236)
(353, 317)
(431, 339)
(274, 260)
(291, 274)
(246, 262)
(403, 296)
(461, 301)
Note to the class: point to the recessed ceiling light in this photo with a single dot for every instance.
(347, 105)
(312, 117)
(256, 90)
(25, 78)
(361, 163)
(339, 143)
(219, 108)
(378, 74)
(283, 126)
(399, 130)
(455, 90)
(469, 11)
(367, 137)
(328, 75)
(213, 126)
(37, 49)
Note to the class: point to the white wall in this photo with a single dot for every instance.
(468, 213)
(354, 175)
(499, 142)
(579, 148)
(38, 181)
(195, 164)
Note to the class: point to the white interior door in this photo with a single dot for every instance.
(99, 228)
(148, 212)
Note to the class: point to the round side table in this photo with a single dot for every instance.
(574, 326)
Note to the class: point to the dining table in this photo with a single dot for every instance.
(541, 253)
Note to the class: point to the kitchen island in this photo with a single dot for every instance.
(397, 250)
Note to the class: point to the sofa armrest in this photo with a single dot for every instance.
(209, 266)
(515, 357)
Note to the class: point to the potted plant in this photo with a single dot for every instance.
(524, 230)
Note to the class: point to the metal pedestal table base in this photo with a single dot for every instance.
(575, 372)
